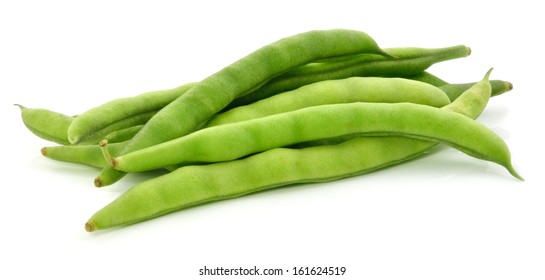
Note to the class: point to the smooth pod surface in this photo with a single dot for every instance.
(355, 89)
(232, 141)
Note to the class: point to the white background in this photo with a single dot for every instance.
(445, 216)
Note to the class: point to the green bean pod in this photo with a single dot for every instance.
(123, 134)
(233, 141)
(429, 78)
(454, 90)
(89, 155)
(100, 118)
(407, 62)
(194, 185)
(46, 124)
(355, 89)
(134, 120)
(215, 92)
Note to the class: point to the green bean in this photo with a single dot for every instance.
(429, 78)
(355, 89)
(471, 104)
(89, 155)
(215, 92)
(193, 185)
(408, 62)
(232, 141)
(454, 90)
(100, 118)
(46, 124)
(123, 134)
(97, 135)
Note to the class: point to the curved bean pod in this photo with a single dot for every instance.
(355, 89)
(408, 62)
(193, 185)
(108, 114)
(454, 90)
(215, 92)
(232, 141)
(46, 124)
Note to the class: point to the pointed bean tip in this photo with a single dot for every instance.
(516, 175)
(487, 75)
(513, 172)
(44, 151)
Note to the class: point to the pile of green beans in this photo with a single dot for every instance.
(313, 107)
